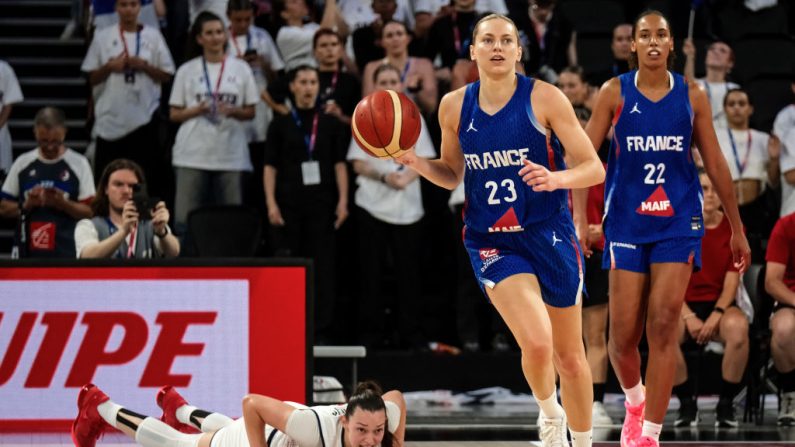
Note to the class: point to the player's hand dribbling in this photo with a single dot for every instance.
(539, 177)
(741, 251)
(408, 158)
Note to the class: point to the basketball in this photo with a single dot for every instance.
(385, 124)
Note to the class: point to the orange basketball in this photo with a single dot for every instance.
(385, 124)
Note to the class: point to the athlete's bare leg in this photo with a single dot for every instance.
(627, 313)
(576, 386)
(668, 285)
(594, 327)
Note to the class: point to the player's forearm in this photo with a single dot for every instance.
(437, 172)
(587, 173)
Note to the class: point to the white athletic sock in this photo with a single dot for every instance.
(581, 438)
(153, 433)
(108, 410)
(550, 406)
(652, 430)
(635, 395)
(215, 421)
(183, 414)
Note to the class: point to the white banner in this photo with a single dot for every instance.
(129, 337)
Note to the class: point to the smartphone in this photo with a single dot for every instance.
(144, 204)
(250, 52)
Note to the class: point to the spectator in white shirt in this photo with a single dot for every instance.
(126, 65)
(783, 142)
(211, 98)
(10, 94)
(719, 63)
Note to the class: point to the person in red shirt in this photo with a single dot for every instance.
(710, 314)
(780, 284)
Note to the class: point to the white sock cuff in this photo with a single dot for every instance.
(581, 438)
(635, 395)
(183, 413)
(651, 430)
(154, 433)
(550, 406)
(108, 411)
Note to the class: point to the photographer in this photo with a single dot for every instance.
(126, 223)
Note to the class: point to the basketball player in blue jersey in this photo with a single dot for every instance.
(653, 223)
(502, 135)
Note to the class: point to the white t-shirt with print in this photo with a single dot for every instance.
(259, 40)
(716, 91)
(206, 142)
(10, 93)
(785, 120)
(122, 106)
(295, 44)
(394, 206)
(754, 157)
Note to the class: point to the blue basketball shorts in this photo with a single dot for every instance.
(549, 250)
(639, 257)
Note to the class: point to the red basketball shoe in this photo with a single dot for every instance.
(89, 425)
(169, 400)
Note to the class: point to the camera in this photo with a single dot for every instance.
(143, 203)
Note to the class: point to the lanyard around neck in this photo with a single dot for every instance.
(310, 139)
(210, 92)
(237, 47)
(740, 165)
(137, 41)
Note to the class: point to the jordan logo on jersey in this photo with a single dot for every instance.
(508, 223)
(471, 126)
(635, 109)
(555, 239)
(657, 204)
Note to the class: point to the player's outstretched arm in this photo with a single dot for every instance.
(259, 410)
(448, 170)
(397, 398)
(554, 111)
(718, 171)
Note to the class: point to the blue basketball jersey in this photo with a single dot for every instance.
(652, 191)
(497, 200)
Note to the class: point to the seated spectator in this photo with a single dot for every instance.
(119, 229)
(389, 211)
(620, 47)
(10, 94)
(783, 144)
(416, 73)
(126, 67)
(719, 63)
(294, 37)
(547, 41)
(780, 284)
(48, 189)
(213, 95)
(339, 91)
(427, 11)
(306, 187)
(572, 83)
(710, 314)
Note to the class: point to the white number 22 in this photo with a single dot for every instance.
(660, 169)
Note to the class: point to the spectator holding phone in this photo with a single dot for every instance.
(47, 189)
(126, 223)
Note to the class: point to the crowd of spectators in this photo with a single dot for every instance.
(257, 111)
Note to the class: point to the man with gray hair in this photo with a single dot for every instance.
(48, 189)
